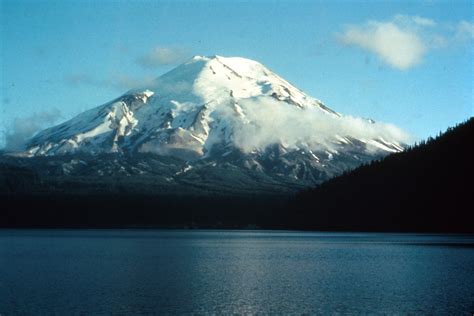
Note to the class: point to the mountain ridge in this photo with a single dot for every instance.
(425, 188)
(199, 104)
(216, 121)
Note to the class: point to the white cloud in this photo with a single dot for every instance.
(160, 56)
(404, 40)
(398, 46)
(24, 128)
(273, 121)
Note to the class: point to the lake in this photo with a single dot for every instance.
(136, 272)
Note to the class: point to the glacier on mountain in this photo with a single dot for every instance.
(213, 106)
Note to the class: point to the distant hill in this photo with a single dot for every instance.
(426, 188)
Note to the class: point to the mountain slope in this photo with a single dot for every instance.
(214, 110)
(204, 103)
(426, 188)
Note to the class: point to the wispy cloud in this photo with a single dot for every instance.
(23, 128)
(160, 56)
(123, 82)
(119, 82)
(414, 20)
(78, 79)
(465, 30)
(403, 41)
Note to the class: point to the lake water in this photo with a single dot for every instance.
(94, 272)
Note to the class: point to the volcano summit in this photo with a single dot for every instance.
(215, 113)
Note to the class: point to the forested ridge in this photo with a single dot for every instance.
(427, 188)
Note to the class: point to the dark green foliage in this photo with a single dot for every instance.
(224, 196)
(15, 179)
(136, 210)
(426, 188)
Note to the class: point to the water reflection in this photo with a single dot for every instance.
(244, 272)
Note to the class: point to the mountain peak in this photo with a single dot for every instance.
(240, 66)
(217, 105)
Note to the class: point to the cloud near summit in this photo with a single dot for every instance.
(160, 56)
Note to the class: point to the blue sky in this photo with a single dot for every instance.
(409, 63)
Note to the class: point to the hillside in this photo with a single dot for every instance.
(426, 188)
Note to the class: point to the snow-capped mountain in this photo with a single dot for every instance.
(212, 110)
